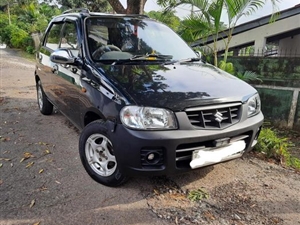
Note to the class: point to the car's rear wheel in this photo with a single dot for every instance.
(97, 155)
(45, 106)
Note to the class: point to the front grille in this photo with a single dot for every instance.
(214, 117)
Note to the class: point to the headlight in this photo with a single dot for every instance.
(253, 105)
(147, 118)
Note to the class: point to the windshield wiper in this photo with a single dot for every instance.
(190, 60)
(147, 57)
(184, 60)
(150, 56)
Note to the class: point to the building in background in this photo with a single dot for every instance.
(262, 38)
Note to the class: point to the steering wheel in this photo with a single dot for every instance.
(105, 48)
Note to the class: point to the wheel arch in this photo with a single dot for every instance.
(92, 165)
(91, 115)
(36, 77)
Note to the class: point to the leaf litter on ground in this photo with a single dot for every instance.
(32, 203)
(5, 159)
(30, 164)
(26, 155)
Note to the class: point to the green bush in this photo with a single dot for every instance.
(28, 41)
(30, 49)
(18, 38)
(271, 145)
(6, 35)
(275, 147)
(15, 37)
(3, 23)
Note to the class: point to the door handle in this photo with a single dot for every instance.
(40, 57)
(55, 69)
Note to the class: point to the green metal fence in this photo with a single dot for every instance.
(279, 89)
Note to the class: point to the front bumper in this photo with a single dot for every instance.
(173, 149)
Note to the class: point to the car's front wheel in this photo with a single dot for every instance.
(97, 155)
(45, 106)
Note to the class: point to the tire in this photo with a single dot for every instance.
(46, 107)
(97, 155)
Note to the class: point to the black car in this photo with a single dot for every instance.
(144, 100)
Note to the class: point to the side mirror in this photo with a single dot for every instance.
(62, 56)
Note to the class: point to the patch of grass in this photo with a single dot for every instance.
(197, 195)
(275, 147)
(294, 162)
(26, 55)
(23, 54)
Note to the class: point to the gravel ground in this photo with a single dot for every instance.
(43, 182)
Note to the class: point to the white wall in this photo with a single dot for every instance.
(258, 35)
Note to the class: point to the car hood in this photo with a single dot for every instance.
(177, 86)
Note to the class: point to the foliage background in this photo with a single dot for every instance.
(20, 19)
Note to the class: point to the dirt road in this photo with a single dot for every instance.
(43, 182)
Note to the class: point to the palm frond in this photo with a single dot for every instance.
(248, 76)
(237, 8)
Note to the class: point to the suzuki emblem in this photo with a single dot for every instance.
(218, 116)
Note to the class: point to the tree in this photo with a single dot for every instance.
(209, 16)
(169, 18)
(48, 10)
(25, 17)
(133, 6)
(7, 4)
(96, 5)
(194, 27)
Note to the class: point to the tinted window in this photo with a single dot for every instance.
(135, 37)
(53, 37)
(69, 37)
(97, 37)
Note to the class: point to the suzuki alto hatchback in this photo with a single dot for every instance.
(144, 101)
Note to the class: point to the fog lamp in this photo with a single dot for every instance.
(151, 156)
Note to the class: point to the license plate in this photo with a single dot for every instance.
(202, 158)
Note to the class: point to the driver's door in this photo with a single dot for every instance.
(67, 82)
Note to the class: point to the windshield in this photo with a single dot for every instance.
(125, 38)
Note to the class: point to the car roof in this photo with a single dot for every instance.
(83, 12)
